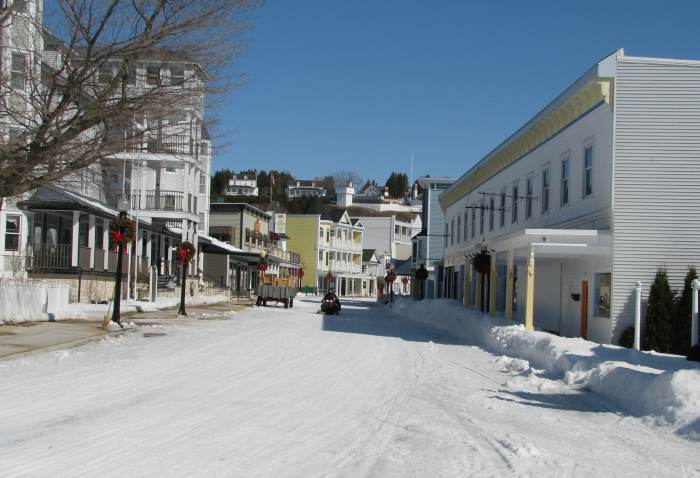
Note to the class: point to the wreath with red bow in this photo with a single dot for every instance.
(123, 230)
(186, 251)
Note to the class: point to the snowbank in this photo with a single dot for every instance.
(31, 310)
(663, 387)
(30, 302)
(97, 311)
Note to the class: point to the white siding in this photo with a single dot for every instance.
(656, 217)
(592, 212)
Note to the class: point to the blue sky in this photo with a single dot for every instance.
(336, 85)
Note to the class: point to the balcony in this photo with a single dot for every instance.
(345, 245)
(167, 144)
(155, 200)
(345, 267)
(286, 256)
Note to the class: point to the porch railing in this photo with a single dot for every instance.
(154, 200)
(49, 257)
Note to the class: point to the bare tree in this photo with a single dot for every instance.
(101, 76)
(343, 178)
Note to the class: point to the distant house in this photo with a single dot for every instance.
(330, 245)
(305, 189)
(245, 185)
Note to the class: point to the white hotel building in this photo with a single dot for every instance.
(593, 194)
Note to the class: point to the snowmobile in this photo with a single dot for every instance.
(330, 306)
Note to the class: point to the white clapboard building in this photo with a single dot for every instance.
(591, 195)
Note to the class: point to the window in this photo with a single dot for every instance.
(19, 70)
(105, 74)
(514, 203)
(152, 76)
(131, 75)
(481, 218)
(83, 226)
(473, 221)
(492, 206)
(202, 183)
(320, 233)
(545, 190)
(320, 256)
(170, 170)
(602, 295)
(528, 198)
(99, 235)
(465, 226)
(565, 182)
(588, 171)
(503, 208)
(177, 76)
(452, 232)
(12, 229)
(447, 233)
(200, 226)
(459, 229)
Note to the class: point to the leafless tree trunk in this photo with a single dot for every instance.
(90, 79)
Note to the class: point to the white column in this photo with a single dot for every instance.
(91, 241)
(74, 239)
(149, 245)
(105, 242)
(638, 316)
(694, 318)
(128, 270)
(164, 255)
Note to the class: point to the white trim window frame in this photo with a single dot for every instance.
(588, 155)
(565, 185)
(529, 185)
(514, 202)
(492, 207)
(502, 219)
(546, 187)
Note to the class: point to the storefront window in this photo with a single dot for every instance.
(602, 295)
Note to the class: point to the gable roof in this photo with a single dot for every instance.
(369, 255)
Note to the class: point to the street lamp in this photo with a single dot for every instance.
(118, 233)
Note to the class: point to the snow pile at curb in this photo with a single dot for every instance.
(95, 311)
(664, 387)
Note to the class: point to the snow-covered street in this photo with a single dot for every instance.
(274, 392)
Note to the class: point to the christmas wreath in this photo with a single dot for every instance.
(482, 262)
(122, 230)
(185, 251)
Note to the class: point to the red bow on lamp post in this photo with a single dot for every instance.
(118, 239)
(183, 255)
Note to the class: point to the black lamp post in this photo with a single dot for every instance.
(119, 239)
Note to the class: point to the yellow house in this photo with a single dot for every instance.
(329, 242)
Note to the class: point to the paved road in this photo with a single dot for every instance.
(277, 393)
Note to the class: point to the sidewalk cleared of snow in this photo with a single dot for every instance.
(665, 388)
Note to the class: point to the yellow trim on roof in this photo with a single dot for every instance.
(595, 91)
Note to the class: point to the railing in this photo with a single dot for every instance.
(49, 257)
(339, 266)
(286, 256)
(154, 200)
(112, 262)
(168, 144)
(347, 245)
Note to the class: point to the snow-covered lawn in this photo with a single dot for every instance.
(280, 393)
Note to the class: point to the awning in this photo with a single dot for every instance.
(222, 231)
(215, 246)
